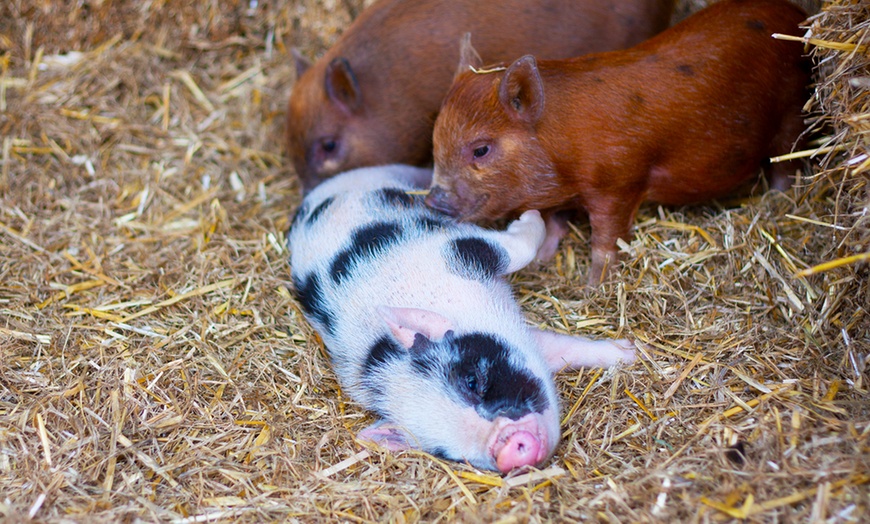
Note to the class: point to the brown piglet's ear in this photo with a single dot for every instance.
(341, 85)
(522, 91)
(302, 63)
(468, 57)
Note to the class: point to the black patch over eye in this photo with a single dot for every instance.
(470, 377)
(485, 379)
(476, 383)
(471, 383)
(481, 151)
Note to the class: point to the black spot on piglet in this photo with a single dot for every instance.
(686, 69)
(367, 242)
(300, 212)
(755, 25)
(395, 197)
(317, 211)
(310, 296)
(431, 223)
(381, 352)
(384, 350)
(476, 258)
(439, 452)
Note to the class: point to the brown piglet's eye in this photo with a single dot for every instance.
(480, 152)
(328, 145)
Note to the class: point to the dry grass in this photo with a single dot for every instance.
(154, 367)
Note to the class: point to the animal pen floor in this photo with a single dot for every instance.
(155, 367)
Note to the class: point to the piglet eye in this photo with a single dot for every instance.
(476, 384)
(471, 383)
(480, 152)
(328, 145)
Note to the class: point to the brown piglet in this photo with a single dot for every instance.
(373, 97)
(687, 116)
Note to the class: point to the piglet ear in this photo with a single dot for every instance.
(468, 57)
(521, 92)
(388, 436)
(302, 63)
(407, 323)
(341, 85)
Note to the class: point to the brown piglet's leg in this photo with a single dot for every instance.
(781, 174)
(610, 220)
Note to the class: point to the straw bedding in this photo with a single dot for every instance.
(155, 367)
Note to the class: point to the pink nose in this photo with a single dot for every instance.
(521, 449)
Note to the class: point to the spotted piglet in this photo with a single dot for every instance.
(421, 325)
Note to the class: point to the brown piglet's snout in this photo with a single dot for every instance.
(440, 200)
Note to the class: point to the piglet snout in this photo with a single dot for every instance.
(440, 200)
(522, 442)
(521, 449)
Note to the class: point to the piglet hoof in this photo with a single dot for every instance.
(624, 351)
(781, 181)
(530, 221)
(557, 227)
(547, 251)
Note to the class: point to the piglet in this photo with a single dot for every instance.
(373, 97)
(421, 326)
(687, 116)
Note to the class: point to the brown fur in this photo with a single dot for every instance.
(376, 92)
(687, 116)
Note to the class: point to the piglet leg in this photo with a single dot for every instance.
(781, 174)
(610, 220)
(570, 352)
(557, 227)
(388, 436)
(521, 240)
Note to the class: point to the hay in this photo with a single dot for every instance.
(153, 365)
